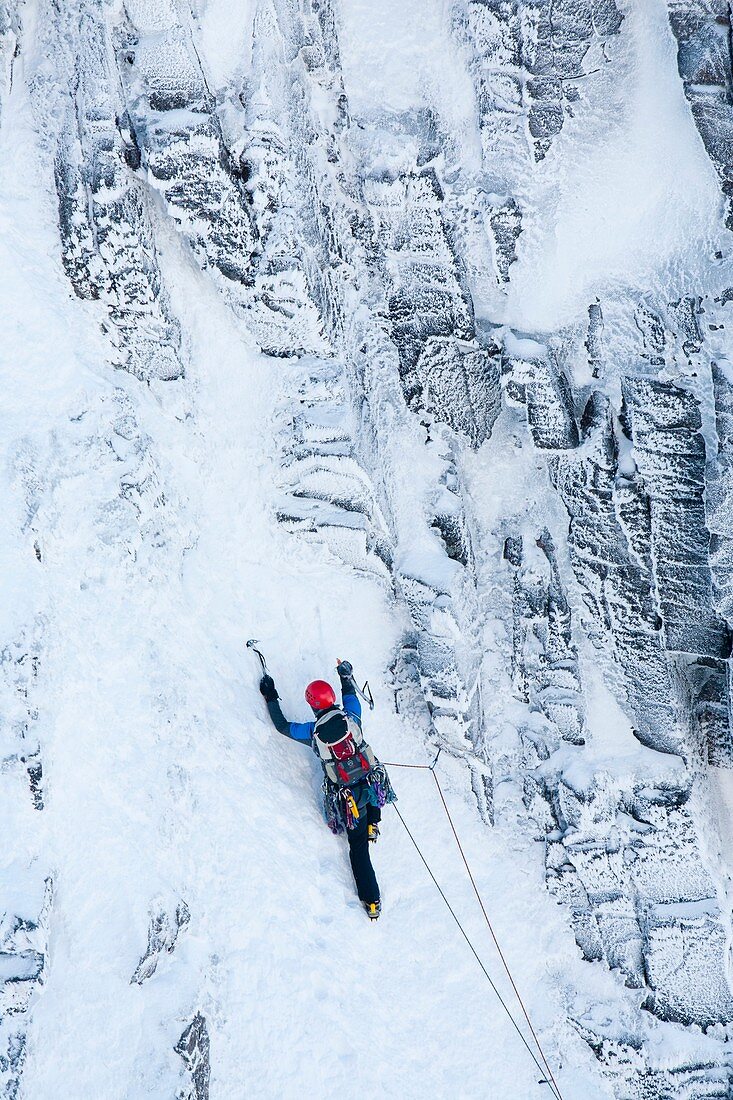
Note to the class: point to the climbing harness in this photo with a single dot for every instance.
(337, 809)
(547, 1074)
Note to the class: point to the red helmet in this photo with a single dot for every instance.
(320, 695)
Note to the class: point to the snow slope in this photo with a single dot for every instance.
(167, 783)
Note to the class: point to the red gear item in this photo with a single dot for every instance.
(320, 695)
(344, 749)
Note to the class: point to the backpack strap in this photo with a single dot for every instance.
(354, 729)
(322, 747)
(333, 767)
(351, 727)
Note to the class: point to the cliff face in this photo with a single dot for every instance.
(494, 304)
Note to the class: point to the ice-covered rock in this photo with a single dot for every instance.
(703, 34)
(194, 1048)
(670, 454)
(23, 968)
(163, 933)
(528, 64)
(105, 220)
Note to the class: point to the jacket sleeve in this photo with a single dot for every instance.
(350, 701)
(299, 731)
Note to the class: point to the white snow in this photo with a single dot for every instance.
(522, 346)
(226, 37)
(398, 57)
(626, 192)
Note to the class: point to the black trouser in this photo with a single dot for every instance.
(361, 864)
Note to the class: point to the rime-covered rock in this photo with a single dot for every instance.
(616, 581)
(527, 64)
(19, 742)
(640, 898)
(183, 148)
(685, 943)
(425, 295)
(325, 492)
(163, 933)
(544, 658)
(227, 178)
(194, 1048)
(719, 493)
(504, 222)
(461, 385)
(23, 966)
(710, 695)
(104, 219)
(670, 453)
(10, 32)
(703, 31)
(637, 1070)
(442, 685)
(533, 378)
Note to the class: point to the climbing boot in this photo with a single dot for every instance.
(373, 909)
(373, 833)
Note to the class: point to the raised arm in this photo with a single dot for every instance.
(349, 697)
(298, 731)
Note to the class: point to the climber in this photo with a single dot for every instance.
(355, 784)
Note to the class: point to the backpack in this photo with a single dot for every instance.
(345, 755)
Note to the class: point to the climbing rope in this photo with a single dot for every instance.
(547, 1074)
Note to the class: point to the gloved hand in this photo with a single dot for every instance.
(268, 689)
(345, 669)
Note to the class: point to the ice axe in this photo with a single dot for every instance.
(253, 644)
(365, 692)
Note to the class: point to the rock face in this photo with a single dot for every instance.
(105, 215)
(163, 934)
(23, 966)
(193, 1047)
(545, 669)
(528, 65)
(567, 638)
(703, 34)
(669, 449)
(533, 380)
(10, 31)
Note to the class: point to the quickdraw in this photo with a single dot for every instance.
(350, 807)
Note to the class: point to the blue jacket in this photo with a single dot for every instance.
(303, 731)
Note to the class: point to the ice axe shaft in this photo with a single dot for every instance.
(366, 694)
(252, 644)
